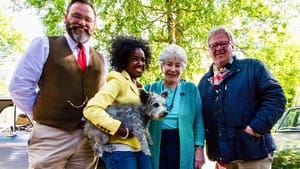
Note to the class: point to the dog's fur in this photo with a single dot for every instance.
(132, 117)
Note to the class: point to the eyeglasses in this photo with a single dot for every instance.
(223, 44)
(79, 17)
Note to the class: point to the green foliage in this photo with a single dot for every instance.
(52, 13)
(288, 158)
(3, 89)
(11, 41)
(259, 27)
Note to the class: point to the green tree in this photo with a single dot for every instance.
(260, 28)
(11, 41)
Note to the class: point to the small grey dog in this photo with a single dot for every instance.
(135, 117)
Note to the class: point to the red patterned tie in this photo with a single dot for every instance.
(81, 57)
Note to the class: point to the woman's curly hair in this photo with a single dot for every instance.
(122, 47)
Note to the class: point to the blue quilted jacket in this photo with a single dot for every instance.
(248, 95)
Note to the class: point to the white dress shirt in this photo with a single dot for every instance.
(23, 86)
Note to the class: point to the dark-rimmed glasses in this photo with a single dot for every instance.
(223, 44)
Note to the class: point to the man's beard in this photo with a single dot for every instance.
(78, 33)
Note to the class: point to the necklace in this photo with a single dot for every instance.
(169, 107)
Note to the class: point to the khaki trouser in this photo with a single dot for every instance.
(52, 148)
(265, 163)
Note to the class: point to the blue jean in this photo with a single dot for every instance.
(126, 160)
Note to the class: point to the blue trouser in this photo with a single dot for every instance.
(126, 160)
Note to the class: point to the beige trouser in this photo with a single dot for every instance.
(52, 148)
(265, 163)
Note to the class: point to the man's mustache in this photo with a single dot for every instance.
(76, 26)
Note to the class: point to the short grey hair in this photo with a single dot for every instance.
(173, 51)
(218, 30)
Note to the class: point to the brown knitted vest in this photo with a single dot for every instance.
(62, 83)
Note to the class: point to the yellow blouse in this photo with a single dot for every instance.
(119, 89)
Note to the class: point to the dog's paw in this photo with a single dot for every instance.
(149, 138)
(98, 149)
(108, 148)
(150, 142)
(147, 152)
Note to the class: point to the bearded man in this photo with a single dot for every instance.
(52, 83)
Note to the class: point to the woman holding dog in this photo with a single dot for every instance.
(178, 139)
(130, 56)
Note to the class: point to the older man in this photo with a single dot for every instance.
(241, 103)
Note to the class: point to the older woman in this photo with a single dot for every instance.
(179, 137)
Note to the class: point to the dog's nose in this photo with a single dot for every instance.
(164, 114)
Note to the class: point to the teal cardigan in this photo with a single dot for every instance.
(190, 124)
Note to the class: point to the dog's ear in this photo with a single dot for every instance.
(164, 94)
(144, 95)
